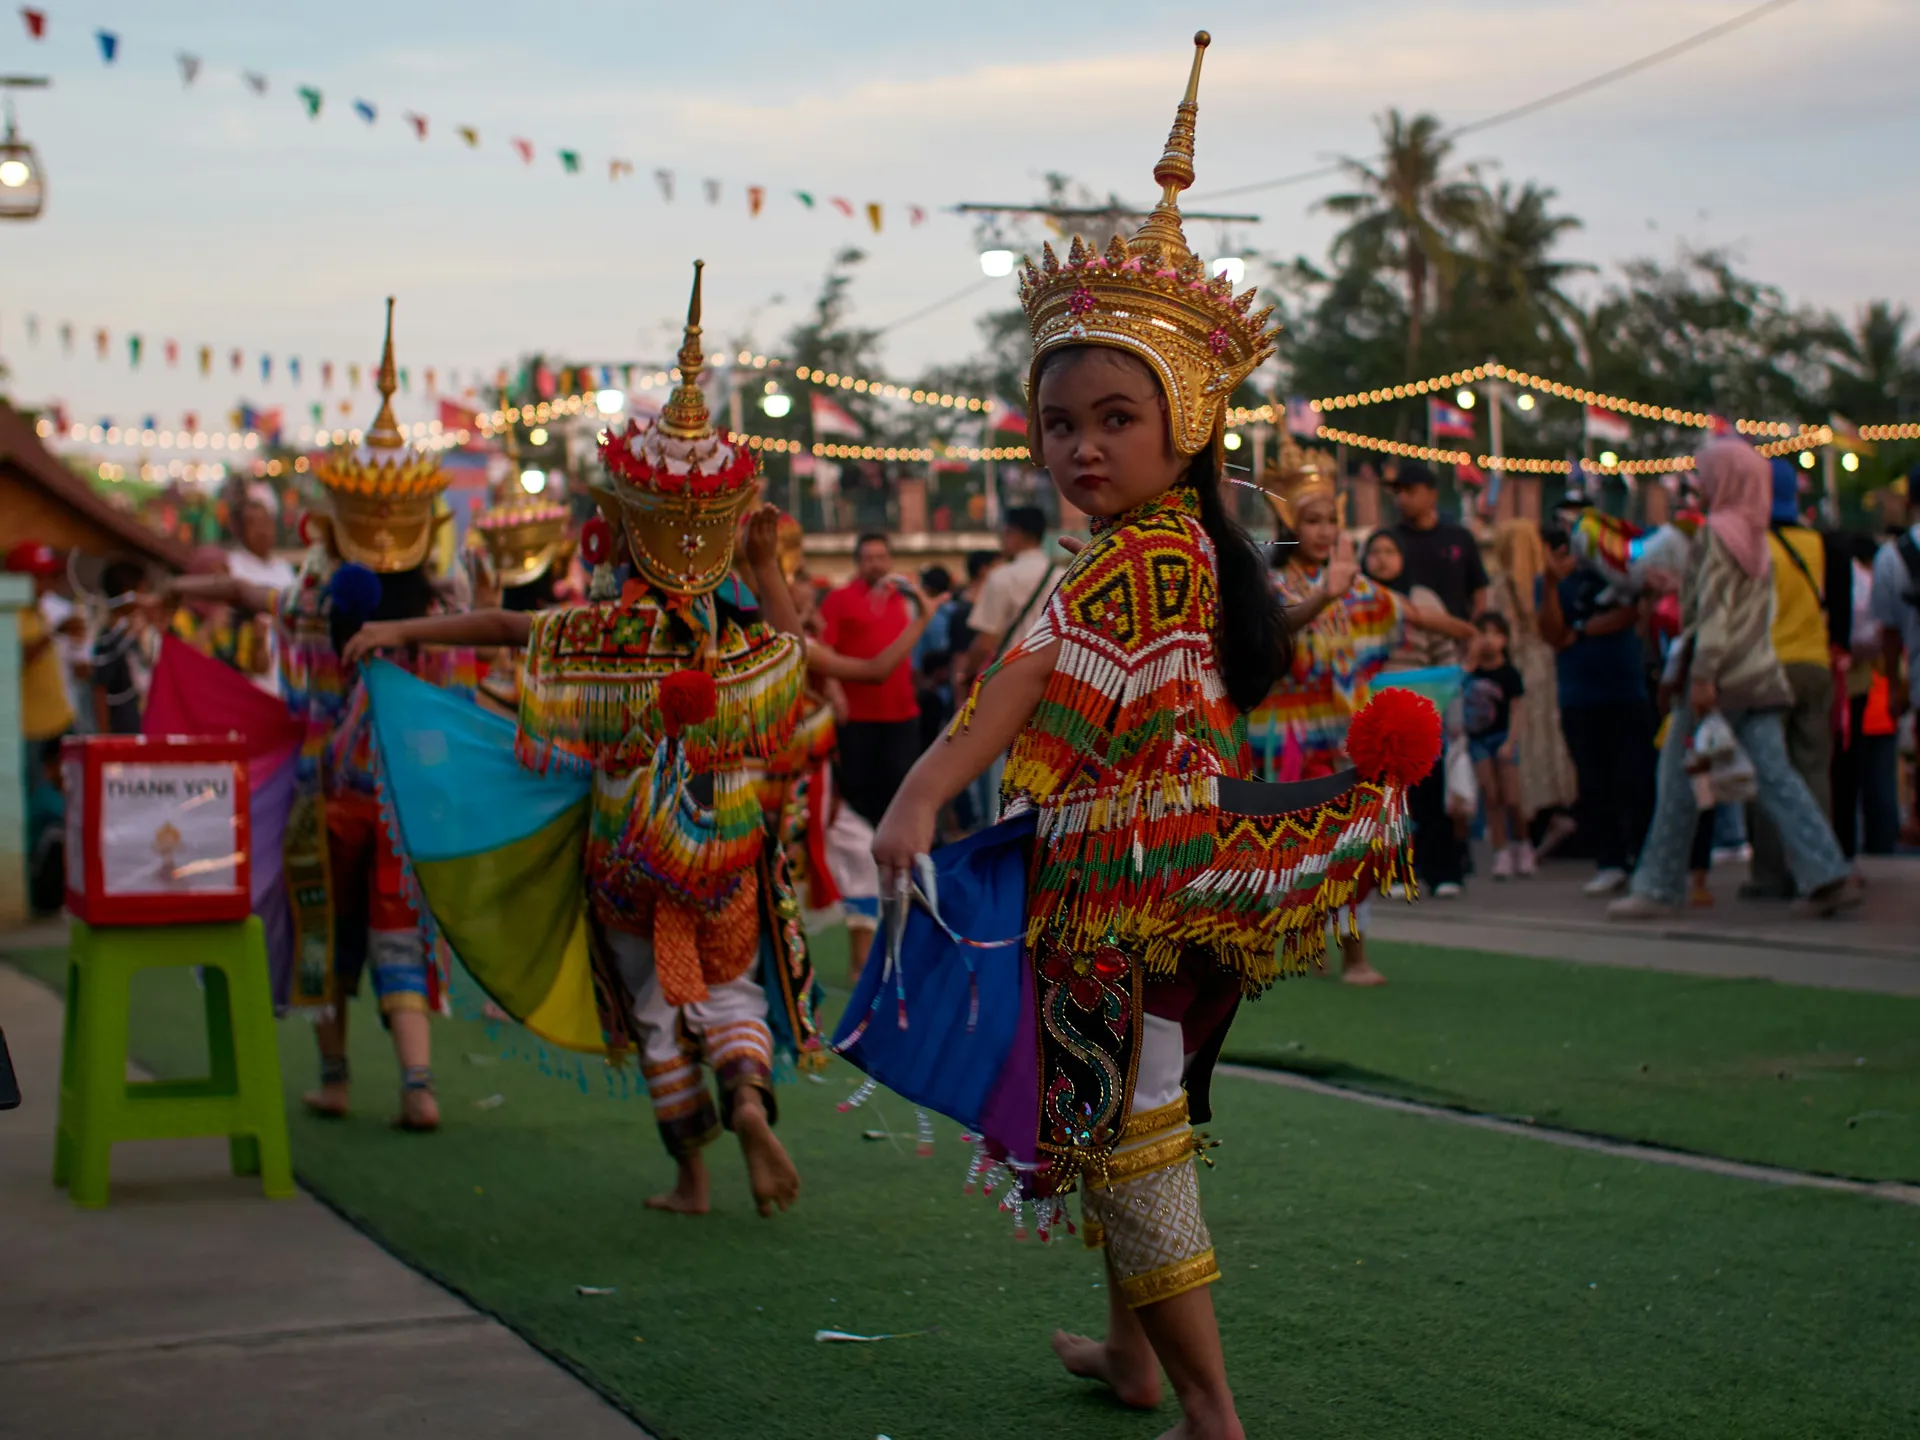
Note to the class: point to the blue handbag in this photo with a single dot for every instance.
(936, 1011)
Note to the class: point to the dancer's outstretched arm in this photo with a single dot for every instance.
(1006, 701)
(823, 659)
(218, 590)
(471, 627)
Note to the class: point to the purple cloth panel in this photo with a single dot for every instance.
(1011, 1116)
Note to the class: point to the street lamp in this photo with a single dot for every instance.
(23, 184)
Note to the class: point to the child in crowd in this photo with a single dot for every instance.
(123, 652)
(1493, 698)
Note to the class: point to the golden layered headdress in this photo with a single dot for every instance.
(678, 488)
(1151, 297)
(1300, 476)
(382, 491)
(523, 539)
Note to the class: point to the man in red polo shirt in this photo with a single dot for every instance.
(880, 738)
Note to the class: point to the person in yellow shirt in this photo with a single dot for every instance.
(1800, 641)
(45, 710)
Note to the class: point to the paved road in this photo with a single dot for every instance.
(192, 1309)
(1876, 947)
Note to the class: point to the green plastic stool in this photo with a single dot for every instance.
(241, 1096)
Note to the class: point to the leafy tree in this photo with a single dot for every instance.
(1405, 210)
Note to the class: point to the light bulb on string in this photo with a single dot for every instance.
(996, 263)
(1849, 462)
(609, 402)
(533, 481)
(1466, 398)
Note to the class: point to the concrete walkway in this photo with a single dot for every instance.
(192, 1309)
(1875, 947)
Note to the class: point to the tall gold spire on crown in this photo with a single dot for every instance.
(385, 432)
(382, 491)
(1151, 297)
(685, 416)
(1174, 172)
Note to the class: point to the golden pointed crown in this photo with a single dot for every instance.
(523, 539)
(678, 486)
(1300, 476)
(1151, 297)
(383, 489)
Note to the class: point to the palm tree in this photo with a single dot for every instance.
(1404, 210)
(1511, 238)
(1877, 374)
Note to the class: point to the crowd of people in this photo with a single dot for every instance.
(1583, 681)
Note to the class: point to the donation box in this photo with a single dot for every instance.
(156, 829)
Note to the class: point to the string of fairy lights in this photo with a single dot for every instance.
(1804, 443)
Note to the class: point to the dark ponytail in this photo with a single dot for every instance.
(1255, 646)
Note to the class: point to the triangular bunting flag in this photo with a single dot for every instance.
(525, 147)
(255, 81)
(419, 124)
(873, 215)
(133, 350)
(109, 45)
(712, 187)
(756, 197)
(845, 207)
(471, 136)
(804, 198)
(189, 69)
(206, 359)
(293, 368)
(570, 161)
(172, 348)
(665, 181)
(916, 214)
(310, 98)
(100, 343)
(233, 361)
(364, 109)
(617, 168)
(36, 23)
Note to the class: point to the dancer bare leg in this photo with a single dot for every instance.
(1124, 1362)
(770, 1170)
(1186, 1338)
(689, 1193)
(330, 1099)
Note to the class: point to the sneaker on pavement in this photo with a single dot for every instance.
(1638, 907)
(1524, 858)
(1605, 882)
(1503, 865)
(1447, 890)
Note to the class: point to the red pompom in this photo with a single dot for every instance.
(687, 697)
(1395, 738)
(596, 541)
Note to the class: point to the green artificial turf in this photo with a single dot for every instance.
(1387, 1275)
(1823, 1080)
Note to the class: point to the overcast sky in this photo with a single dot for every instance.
(211, 215)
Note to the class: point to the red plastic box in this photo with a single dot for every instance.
(157, 830)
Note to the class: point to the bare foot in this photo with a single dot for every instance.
(689, 1193)
(1359, 972)
(770, 1172)
(418, 1110)
(329, 1102)
(1134, 1384)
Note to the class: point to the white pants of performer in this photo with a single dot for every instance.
(729, 1027)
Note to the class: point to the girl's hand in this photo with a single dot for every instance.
(762, 542)
(905, 834)
(372, 636)
(1341, 568)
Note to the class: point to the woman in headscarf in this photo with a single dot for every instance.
(1725, 662)
(1547, 779)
